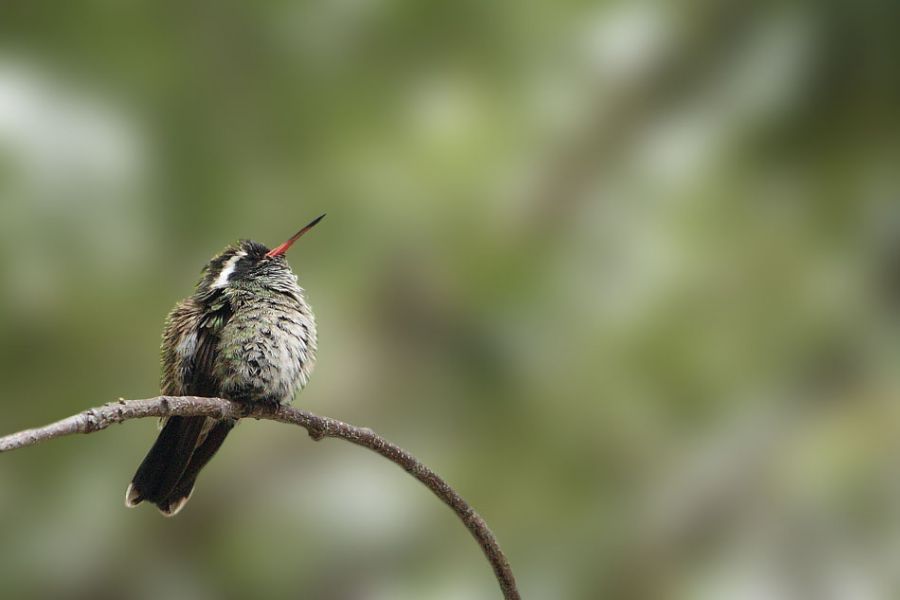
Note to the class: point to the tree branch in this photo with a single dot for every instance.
(318, 428)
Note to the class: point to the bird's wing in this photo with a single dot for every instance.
(190, 347)
(189, 352)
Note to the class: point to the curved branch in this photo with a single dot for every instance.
(318, 428)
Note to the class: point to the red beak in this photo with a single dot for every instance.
(284, 247)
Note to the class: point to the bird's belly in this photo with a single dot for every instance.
(266, 355)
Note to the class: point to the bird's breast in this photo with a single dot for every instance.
(267, 350)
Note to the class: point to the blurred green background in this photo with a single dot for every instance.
(627, 274)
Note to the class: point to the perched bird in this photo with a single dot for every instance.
(246, 334)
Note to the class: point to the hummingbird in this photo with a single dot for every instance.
(246, 334)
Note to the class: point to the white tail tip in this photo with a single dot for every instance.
(132, 497)
(174, 508)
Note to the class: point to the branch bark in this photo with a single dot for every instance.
(96, 419)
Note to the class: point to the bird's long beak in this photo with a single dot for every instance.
(284, 247)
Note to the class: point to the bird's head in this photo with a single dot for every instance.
(248, 264)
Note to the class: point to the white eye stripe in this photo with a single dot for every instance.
(228, 269)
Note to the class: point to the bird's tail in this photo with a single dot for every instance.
(166, 476)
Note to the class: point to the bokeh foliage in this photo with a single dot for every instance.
(625, 273)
